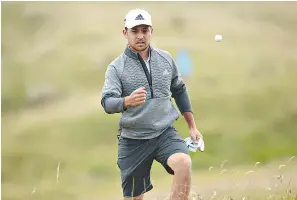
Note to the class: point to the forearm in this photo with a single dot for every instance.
(190, 120)
(182, 101)
(113, 105)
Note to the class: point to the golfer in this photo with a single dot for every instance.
(139, 84)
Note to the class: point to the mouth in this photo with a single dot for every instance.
(140, 43)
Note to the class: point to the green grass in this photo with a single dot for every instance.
(54, 55)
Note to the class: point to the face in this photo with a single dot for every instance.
(139, 37)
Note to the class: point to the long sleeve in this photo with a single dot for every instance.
(111, 101)
(179, 91)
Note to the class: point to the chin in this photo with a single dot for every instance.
(140, 48)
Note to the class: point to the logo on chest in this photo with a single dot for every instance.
(165, 72)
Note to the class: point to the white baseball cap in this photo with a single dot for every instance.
(137, 17)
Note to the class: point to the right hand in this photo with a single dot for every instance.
(136, 98)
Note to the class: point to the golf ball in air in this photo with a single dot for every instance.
(218, 38)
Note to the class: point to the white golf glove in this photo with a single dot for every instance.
(192, 146)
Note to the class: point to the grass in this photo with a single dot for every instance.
(273, 180)
(54, 56)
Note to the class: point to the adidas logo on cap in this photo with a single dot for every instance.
(139, 17)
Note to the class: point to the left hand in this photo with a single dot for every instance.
(195, 135)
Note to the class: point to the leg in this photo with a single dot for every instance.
(173, 154)
(135, 158)
(180, 163)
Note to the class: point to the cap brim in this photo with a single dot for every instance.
(137, 23)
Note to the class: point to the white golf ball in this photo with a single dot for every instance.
(218, 38)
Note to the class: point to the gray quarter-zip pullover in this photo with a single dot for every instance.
(162, 81)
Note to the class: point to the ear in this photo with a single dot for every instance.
(152, 30)
(125, 33)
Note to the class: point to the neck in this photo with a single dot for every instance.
(144, 54)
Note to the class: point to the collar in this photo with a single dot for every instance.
(132, 54)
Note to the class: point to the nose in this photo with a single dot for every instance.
(140, 35)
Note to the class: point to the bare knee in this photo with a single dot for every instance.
(140, 197)
(180, 163)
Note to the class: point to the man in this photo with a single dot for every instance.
(139, 84)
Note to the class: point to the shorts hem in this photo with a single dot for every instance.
(138, 194)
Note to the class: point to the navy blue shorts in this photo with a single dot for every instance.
(135, 159)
